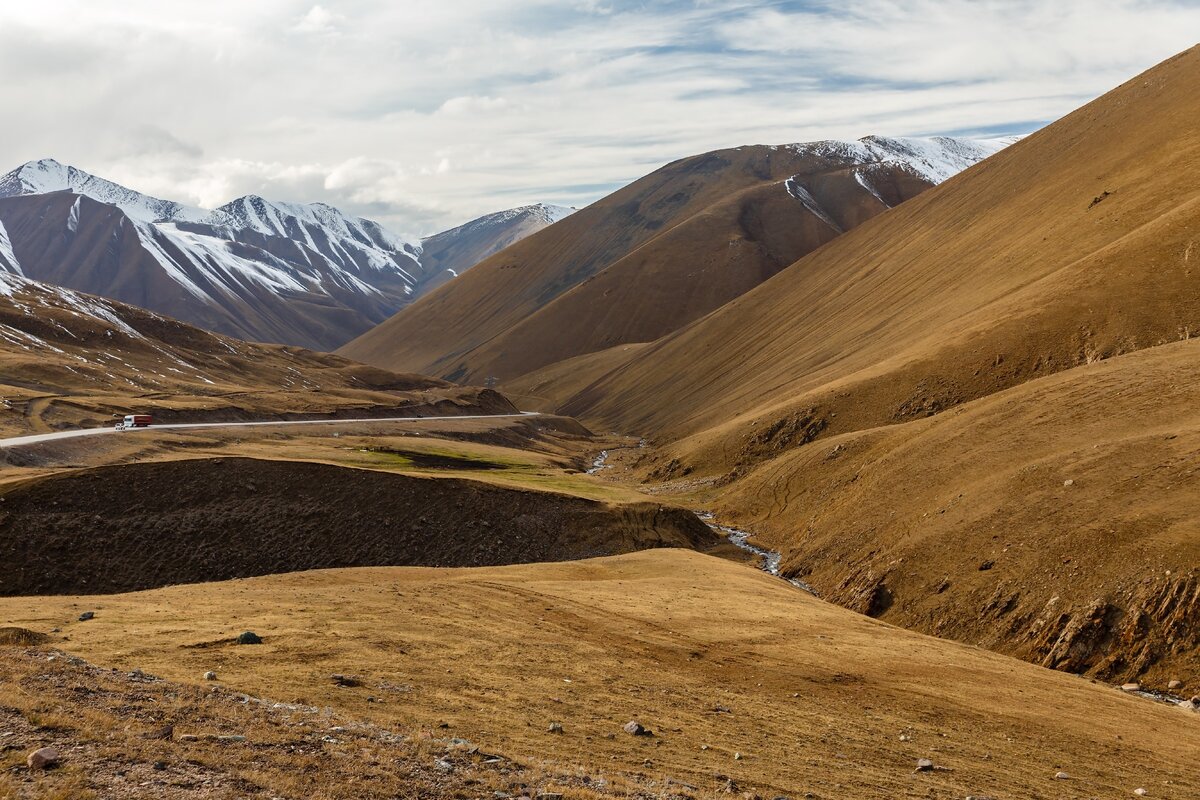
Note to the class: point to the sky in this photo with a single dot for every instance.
(424, 114)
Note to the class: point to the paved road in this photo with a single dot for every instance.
(17, 441)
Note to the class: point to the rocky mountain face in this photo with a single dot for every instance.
(658, 254)
(260, 270)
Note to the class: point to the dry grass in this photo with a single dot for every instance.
(716, 658)
(289, 752)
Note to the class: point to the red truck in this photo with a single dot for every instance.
(134, 421)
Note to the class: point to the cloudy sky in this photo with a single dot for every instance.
(426, 113)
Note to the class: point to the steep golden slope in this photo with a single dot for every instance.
(1058, 521)
(647, 259)
(1075, 244)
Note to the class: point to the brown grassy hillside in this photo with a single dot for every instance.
(1058, 521)
(637, 264)
(1075, 244)
(946, 509)
(740, 677)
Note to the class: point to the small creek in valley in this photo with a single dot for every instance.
(769, 560)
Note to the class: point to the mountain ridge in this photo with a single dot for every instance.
(304, 274)
(657, 254)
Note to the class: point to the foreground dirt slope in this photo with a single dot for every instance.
(137, 736)
(638, 264)
(715, 658)
(1075, 244)
(139, 526)
(69, 359)
(1058, 521)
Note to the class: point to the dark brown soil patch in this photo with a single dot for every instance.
(21, 637)
(441, 460)
(141, 526)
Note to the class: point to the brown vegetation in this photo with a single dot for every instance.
(715, 658)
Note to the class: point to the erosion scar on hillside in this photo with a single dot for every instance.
(124, 528)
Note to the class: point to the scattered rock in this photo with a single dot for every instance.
(1068, 482)
(549, 796)
(249, 637)
(160, 765)
(1140, 792)
(737, 756)
(85, 616)
(210, 676)
(555, 727)
(231, 738)
(1174, 685)
(924, 765)
(45, 758)
(985, 566)
(349, 681)
(1062, 776)
(1131, 687)
(634, 728)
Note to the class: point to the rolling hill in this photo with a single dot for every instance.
(909, 406)
(657, 254)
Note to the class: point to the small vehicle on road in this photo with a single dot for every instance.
(131, 421)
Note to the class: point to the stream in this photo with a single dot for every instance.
(769, 559)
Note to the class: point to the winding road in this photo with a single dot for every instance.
(18, 441)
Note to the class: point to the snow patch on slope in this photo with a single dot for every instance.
(8, 259)
(808, 201)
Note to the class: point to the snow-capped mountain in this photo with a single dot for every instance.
(47, 175)
(258, 269)
(453, 252)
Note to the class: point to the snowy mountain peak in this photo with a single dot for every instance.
(555, 213)
(48, 175)
(300, 222)
(540, 213)
(936, 158)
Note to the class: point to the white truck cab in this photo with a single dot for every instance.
(131, 421)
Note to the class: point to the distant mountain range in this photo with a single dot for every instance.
(257, 269)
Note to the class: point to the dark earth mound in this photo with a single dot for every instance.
(141, 526)
(21, 637)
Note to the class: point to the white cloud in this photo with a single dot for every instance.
(472, 105)
(426, 114)
(319, 20)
